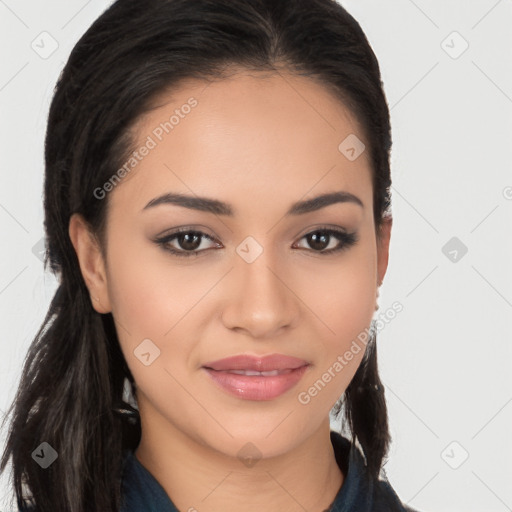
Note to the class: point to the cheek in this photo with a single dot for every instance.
(344, 300)
(150, 299)
(148, 291)
(343, 293)
(350, 305)
(153, 300)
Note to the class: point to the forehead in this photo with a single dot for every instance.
(252, 136)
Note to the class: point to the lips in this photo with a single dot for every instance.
(256, 378)
(276, 364)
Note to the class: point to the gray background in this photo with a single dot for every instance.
(445, 359)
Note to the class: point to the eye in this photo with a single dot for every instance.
(188, 241)
(329, 240)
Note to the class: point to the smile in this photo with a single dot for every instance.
(254, 385)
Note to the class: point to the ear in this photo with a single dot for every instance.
(383, 248)
(91, 262)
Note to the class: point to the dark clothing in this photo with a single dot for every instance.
(142, 493)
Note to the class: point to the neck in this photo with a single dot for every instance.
(197, 477)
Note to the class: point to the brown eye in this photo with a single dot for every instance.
(187, 242)
(326, 241)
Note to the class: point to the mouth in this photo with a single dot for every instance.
(255, 385)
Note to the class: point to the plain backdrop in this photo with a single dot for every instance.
(445, 359)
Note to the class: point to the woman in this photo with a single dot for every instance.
(217, 211)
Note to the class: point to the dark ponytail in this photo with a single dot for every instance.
(72, 393)
(363, 406)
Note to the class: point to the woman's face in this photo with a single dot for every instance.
(259, 280)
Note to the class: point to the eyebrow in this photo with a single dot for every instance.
(216, 207)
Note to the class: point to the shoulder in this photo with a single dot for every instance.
(361, 491)
(140, 490)
(387, 500)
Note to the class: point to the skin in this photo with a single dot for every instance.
(259, 143)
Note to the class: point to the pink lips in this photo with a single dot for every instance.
(285, 372)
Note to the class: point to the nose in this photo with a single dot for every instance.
(261, 300)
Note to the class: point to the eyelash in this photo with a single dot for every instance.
(346, 240)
